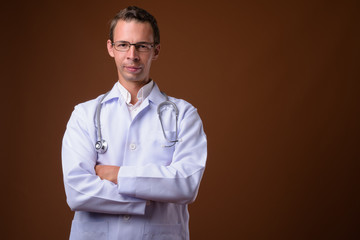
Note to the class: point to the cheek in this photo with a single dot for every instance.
(148, 62)
(118, 60)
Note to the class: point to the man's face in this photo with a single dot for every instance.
(132, 65)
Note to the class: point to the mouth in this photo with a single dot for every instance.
(132, 69)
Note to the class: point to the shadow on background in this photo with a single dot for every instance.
(276, 84)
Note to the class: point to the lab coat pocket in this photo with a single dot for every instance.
(160, 149)
(164, 232)
(166, 142)
(82, 230)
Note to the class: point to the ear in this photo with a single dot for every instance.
(110, 48)
(156, 52)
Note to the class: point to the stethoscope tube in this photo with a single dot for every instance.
(101, 145)
(168, 102)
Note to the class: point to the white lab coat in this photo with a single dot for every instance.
(155, 183)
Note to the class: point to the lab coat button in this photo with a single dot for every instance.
(126, 217)
(133, 146)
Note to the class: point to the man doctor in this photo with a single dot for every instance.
(140, 187)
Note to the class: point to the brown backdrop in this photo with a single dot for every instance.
(276, 84)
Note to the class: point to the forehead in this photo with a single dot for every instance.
(133, 31)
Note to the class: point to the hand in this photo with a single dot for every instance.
(107, 172)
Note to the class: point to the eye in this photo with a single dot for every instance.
(121, 45)
(142, 46)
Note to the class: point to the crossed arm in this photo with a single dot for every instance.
(135, 184)
(107, 172)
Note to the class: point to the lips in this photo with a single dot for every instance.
(133, 69)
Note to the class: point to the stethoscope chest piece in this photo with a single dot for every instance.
(101, 146)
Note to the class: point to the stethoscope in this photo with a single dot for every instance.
(101, 144)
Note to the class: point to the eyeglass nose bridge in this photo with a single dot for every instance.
(133, 44)
(136, 47)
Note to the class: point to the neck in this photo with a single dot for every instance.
(133, 88)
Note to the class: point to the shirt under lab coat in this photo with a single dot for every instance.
(155, 182)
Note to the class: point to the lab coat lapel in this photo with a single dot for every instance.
(156, 96)
(124, 111)
(144, 105)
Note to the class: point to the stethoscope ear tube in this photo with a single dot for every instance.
(168, 102)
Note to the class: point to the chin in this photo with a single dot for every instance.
(136, 79)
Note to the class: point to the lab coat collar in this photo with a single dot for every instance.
(155, 95)
(141, 95)
(113, 93)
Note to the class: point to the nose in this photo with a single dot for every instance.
(132, 54)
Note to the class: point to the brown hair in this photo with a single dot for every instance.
(138, 14)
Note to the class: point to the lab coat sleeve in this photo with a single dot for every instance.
(177, 182)
(85, 191)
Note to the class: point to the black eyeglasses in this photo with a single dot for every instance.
(124, 46)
